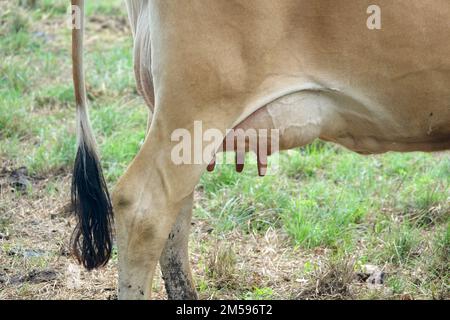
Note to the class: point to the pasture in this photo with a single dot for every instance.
(331, 225)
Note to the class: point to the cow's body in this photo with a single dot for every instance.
(379, 90)
(310, 68)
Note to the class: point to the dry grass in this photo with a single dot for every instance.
(36, 229)
(221, 266)
(331, 279)
(34, 255)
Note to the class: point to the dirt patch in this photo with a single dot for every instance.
(116, 24)
(19, 179)
(35, 276)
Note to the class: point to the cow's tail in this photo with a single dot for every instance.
(92, 238)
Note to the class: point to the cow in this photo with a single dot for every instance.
(310, 69)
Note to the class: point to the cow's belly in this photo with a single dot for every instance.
(302, 117)
(392, 90)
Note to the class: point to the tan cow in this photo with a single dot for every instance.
(310, 68)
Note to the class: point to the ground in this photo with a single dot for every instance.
(330, 225)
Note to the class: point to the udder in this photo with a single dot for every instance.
(289, 122)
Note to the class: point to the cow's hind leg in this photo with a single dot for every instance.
(147, 201)
(174, 260)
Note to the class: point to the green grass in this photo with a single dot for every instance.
(259, 294)
(36, 96)
(390, 210)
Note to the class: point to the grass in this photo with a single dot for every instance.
(332, 279)
(327, 207)
(221, 266)
(259, 294)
